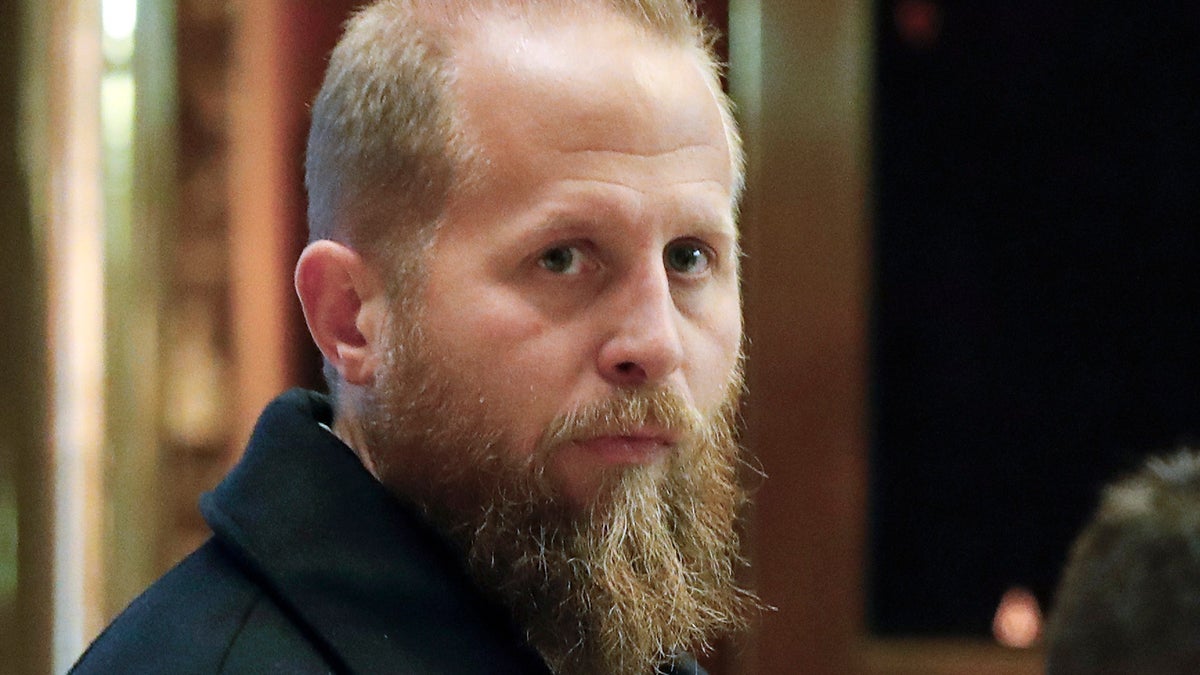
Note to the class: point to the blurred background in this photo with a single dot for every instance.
(970, 295)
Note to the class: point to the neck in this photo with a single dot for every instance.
(347, 427)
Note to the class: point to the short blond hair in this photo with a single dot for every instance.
(383, 153)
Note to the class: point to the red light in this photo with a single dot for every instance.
(918, 22)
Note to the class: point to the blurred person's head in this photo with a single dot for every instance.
(1129, 599)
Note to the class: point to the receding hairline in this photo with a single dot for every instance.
(675, 23)
(676, 18)
(341, 193)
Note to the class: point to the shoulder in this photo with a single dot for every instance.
(204, 616)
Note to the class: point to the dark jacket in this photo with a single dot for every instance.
(313, 567)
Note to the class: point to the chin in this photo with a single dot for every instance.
(593, 492)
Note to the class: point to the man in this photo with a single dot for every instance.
(1129, 600)
(523, 276)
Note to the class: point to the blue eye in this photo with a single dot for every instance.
(686, 257)
(561, 260)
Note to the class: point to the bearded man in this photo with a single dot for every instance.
(523, 276)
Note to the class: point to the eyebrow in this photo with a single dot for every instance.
(699, 220)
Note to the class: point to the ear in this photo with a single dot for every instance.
(344, 306)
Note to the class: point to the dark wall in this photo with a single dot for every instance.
(1037, 305)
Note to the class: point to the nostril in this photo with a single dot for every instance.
(629, 371)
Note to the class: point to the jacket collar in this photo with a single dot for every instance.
(356, 567)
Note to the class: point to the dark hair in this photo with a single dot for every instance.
(1129, 598)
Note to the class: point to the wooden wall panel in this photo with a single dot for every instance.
(800, 75)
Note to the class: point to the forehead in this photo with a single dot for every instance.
(600, 85)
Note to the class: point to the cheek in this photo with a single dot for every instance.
(718, 343)
(488, 331)
(510, 355)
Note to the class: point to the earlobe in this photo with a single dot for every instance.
(343, 306)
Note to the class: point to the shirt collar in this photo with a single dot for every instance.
(354, 564)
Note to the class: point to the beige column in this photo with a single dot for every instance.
(140, 216)
(800, 72)
(63, 158)
(261, 187)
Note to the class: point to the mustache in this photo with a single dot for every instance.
(625, 413)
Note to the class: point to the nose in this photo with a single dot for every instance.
(643, 344)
